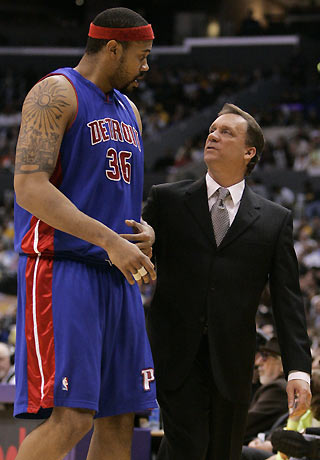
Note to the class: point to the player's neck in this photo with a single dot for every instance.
(91, 69)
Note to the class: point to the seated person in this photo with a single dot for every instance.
(291, 443)
(261, 339)
(7, 374)
(270, 400)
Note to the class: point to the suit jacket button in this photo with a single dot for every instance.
(212, 288)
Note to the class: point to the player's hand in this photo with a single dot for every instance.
(143, 236)
(134, 265)
(299, 397)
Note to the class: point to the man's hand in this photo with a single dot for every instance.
(299, 397)
(135, 265)
(143, 236)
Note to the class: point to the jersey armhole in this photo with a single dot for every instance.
(134, 115)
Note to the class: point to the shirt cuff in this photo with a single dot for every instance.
(299, 375)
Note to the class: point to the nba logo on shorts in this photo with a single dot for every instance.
(65, 384)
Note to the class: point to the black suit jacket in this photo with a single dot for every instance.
(199, 284)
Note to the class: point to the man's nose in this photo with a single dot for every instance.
(145, 67)
(214, 136)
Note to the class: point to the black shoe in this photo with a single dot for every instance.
(295, 444)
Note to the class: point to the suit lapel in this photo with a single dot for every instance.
(248, 212)
(196, 200)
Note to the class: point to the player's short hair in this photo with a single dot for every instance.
(255, 136)
(113, 18)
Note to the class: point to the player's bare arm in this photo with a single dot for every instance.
(47, 112)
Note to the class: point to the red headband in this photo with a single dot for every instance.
(123, 34)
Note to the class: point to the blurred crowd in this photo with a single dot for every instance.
(165, 98)
(67, 22)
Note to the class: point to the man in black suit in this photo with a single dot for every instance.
(201, 322)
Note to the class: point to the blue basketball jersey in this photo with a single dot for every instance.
(100, 169)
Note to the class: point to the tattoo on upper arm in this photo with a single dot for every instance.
(35, 152)
(40, 134)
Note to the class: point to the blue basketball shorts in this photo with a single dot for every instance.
(81, 340)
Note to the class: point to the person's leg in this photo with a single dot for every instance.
(185, 424)
(59, 340)
(112, 438)
(227, 427)
(185, 413)
(56, 436)
(127, 381)
(199, 423)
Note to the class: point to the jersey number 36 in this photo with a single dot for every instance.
(119, 165)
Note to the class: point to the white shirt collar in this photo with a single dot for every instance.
(236, 190)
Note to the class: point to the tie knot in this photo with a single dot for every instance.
(222, 193)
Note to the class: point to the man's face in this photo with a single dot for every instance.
(132, 66)
(4, 361)
(269, 367)
(226, 148)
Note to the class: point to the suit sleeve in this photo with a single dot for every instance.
(149, 213)
(287, 303)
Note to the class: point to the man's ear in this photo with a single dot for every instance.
(250, 153)
(114, 49)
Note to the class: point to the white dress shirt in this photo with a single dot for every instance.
(232, 203)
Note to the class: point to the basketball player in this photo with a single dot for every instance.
(82, 355)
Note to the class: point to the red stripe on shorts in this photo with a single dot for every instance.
(39, 334)
(45, 231)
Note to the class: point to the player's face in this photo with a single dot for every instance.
(226, 146)
(132, 65)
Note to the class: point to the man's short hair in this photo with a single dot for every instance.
(254, 137)
(113, 18)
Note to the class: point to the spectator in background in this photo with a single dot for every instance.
(312, 200)
(260, 449)
(314, 168)
(282, 155)
(270, 400)
(261, 339)
(283, 196)
(250, 25)
(305, 243)
(7, 374)
(314, 313)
